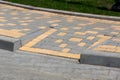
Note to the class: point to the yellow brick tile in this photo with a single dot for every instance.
(106, 48)
(54, 21)
(24, 24)
(15, 30)
(42, 27)
(100, 35)
(26, 29)
(114, 33)
(79, 33)
(117, 49)
(51, 52)
(14, 13)
(10, 24)
(64, 28)
(116, 27)
(77, 28)
(91, 22)
(92, 32)
(116, 39)
(75, 39)
(70, 20)
(30, 43)
(82, 24)
(3, 20)
(2, 24)
(54, 25)
(99, 28)
(59, 41)
(61, 34)
(1, 17)
(82, 44)
(11, 33)
(90, 37)
(66, 50)
(63, 45)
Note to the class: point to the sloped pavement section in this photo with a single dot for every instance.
(93, 41)
(29, 66)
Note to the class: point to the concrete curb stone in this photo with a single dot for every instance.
(10, 44)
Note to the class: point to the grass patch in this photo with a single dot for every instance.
(101, 7)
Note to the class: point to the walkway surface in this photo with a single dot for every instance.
(59, 35)
(28, 66)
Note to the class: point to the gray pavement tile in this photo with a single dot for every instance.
(25, 66)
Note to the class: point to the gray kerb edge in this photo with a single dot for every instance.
(107, 61)
(10, 44)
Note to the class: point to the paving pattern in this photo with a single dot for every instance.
(60, 35)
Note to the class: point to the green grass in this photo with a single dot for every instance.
(101, 7)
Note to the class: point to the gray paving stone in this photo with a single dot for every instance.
(25, 66)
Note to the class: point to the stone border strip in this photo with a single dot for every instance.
(107, 59)
(100, 60)
(10, 44)
(63, 12)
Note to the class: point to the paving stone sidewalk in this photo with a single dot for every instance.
(60, 35)
(57, 33)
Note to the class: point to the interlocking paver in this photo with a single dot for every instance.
(62, 35)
